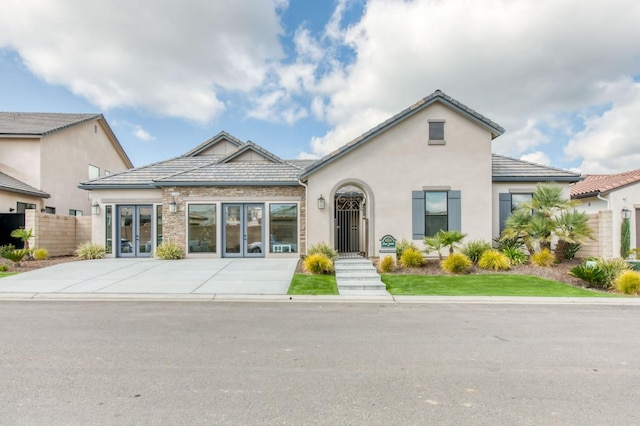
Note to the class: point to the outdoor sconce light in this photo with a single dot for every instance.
(95, 209)
(321, 202)
(173, 206)
(626, 213)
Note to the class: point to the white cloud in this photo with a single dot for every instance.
(609, 142)
(522, 63)
(165, 56)
(537, 157)
(142, 134)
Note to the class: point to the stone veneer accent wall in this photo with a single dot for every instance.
(174, 227)
(601, 224)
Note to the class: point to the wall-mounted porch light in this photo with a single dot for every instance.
(321, 202)
(626, 213)
(173, 206)
(95, 209)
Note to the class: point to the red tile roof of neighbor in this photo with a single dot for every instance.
(598, 184)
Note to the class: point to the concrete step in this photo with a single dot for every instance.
(361, 285)
(357, 275)
(355, 267)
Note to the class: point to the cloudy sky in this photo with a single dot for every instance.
(303, 77)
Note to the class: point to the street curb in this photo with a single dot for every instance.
(149, 297)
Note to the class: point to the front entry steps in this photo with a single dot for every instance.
(358, 277)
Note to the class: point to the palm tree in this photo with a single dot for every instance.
(518, 225)
(571, 227)
(451, 239)
(23, 235)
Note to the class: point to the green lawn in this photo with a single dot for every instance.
(6, 274)
(482, 285)
(313, 284)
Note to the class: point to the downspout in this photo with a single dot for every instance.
(306, 215)
(603, 199)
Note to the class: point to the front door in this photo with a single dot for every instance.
(243, 230)
(134, 231)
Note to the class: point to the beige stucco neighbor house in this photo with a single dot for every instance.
(43, 157)
(430, 167)
(608, 198)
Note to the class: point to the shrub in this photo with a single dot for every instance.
(515, 255)
(612, 268)
(318, 263)
(323, 248)
(15, 255)
(503, 243)
(4, 268)
(543, 258)
(8, 247)
(388, 264)
(572, 250)
(493, 259)
(90, 250)
(40, 254)
(474, 249)
(590, 274)
(600, 273)
(168, 251)
(456, 263)
(403, 245)
(411, 258)
(628, 282)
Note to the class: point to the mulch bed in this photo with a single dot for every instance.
(30, 265)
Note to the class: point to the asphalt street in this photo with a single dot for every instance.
(318, 363)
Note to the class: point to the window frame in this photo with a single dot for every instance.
(292, 246)
(214, 240)
(427, 215)
(95, 169)
(437, 132)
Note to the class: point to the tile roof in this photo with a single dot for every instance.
(437, 96)
(39, 123)
(511, 169)
(212, 141)
(11, 184)
(240, 173)
(600, 184)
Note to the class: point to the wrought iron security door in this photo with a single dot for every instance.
(349, 215)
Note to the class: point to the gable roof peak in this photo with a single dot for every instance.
(222, 135)
(252, 146)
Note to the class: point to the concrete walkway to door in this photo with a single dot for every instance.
(191, 277)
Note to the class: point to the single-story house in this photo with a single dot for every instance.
(429, 167)
(618, 194)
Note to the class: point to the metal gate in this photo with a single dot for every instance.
(349, 221)
(9, 222)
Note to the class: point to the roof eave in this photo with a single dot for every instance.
(537, 178)
(118, 186)
(236, 183)
(26, 192)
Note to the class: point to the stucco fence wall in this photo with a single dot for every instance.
(60, 235)
(601, 224)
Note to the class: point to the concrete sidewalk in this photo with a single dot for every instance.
(187, 277)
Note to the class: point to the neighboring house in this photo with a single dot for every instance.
(430, 167)
(45, 155)
(616, 195)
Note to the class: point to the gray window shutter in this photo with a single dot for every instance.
(455, 211)
(505, 209)
(417, 214)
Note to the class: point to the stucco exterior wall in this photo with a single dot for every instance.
(399, 161)
(9, 200)
(20, 159)
(65, 159)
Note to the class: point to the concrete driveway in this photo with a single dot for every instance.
(191, 277)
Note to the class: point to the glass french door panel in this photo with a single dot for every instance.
(144, 229)
(254, 229)
(127, 230)
(233, 229)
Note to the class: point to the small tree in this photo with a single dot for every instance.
(625, 238)
(23, 235)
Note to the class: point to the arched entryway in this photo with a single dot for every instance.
(351, 221)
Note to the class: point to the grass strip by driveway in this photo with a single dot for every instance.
(483, 285)
(313, 284)
(6, 274)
